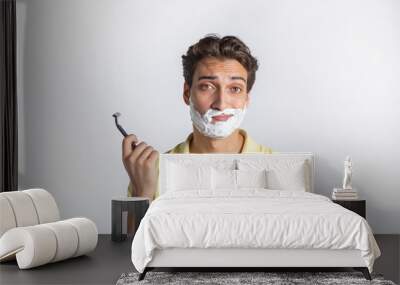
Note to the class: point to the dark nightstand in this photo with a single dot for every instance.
(357, 206)
(121, 208)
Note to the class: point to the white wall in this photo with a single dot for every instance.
(328, 83)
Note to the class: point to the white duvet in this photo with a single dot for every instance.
(251, 218)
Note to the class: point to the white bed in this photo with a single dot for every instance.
(248, 210)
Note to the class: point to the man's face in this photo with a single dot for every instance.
(218, 84)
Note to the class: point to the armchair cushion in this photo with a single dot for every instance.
(30, 230)
(40, 244)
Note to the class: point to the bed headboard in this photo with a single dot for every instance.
(237, 161)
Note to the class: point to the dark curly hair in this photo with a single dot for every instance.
(214, 46)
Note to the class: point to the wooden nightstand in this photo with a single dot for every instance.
(357, 206)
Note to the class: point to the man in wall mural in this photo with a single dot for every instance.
(219, 74)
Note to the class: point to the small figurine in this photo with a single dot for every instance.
(347, 173)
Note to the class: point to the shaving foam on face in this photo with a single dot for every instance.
(219, 129)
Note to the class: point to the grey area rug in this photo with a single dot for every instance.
(225, 278)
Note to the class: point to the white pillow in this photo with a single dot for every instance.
(282, 174)
(290, 178)
(187, 177)
(251, 178)
(224, 179)
(229, 179)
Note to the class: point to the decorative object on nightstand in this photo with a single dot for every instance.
(343, 194)
(346, 192)
(122, 207)
(348, 172)
(357, 206)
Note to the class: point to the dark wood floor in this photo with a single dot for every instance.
(110, 260)
(389, 262)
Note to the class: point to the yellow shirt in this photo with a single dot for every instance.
(249, 146)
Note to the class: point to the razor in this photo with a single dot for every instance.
(121, 129)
